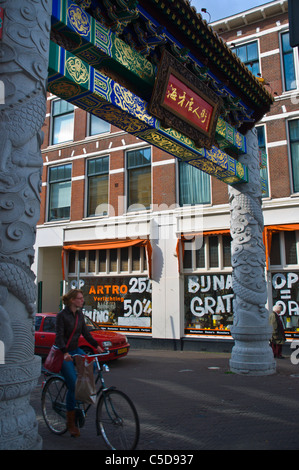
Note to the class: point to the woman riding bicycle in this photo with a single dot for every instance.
(66, 321)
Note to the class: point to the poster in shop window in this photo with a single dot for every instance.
(285, 292)
(121, 303)
(208, 304)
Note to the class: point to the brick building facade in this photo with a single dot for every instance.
(103, 188)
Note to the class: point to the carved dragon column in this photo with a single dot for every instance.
(251, 353)
(24, 48)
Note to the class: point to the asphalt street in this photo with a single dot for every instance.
(191, 401)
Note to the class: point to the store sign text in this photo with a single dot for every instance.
(285, 290)
(210, 304)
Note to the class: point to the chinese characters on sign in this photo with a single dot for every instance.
(187, 104)
(181, 101)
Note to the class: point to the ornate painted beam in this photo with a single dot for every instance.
(79, 33)
(79, 83)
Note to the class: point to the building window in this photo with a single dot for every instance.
(62, 122)
(126, 260)
(263, 160)
(248, 54)
(284, 249)
(208, 252)
(97, 188)
(139, 179)
(294, 149)
(98, 125)
(195, 186)
(60, 192)
(289, 73)
(208, 294)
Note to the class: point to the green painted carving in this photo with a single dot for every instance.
(92, 42)
(78, 82)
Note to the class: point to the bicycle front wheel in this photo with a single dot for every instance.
(53, 404)
(117, 420)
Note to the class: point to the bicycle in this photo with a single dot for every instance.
(116, 416)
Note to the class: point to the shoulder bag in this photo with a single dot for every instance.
(54, 360)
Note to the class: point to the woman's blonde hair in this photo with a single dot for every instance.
(72, 294)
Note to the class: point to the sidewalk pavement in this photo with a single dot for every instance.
(189, 400)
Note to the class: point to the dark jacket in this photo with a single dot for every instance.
(65, 323)
(278, 336)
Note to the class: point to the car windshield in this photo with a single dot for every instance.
(90, 324)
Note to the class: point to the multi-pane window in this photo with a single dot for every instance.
(62, 121)
(209, 252)
(103, 262)
(139, 179)
(289, 73)
(98, 179)
(195, 187)
(248, 54)
(59, 192)
(294, 148)
(98, 125)
(284, 248)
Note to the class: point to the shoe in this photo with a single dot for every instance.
(71, 424)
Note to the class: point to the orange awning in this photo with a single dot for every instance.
(267, 236)
(106, 245)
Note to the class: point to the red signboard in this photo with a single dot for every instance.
(187, 104)
(181, 101)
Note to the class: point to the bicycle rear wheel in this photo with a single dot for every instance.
(53, 404)
(117, 420)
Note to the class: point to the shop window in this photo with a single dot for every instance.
(294, 148)
(290, 247)
(117, 289)
(195, 185)
(226, 251)
(113, 260)
(102, 261)
(98, 125)
(62, 122)
(117, 260)
(289, 73)
(248, 54)
(124, 260)
(213, 252)
(92, 261)
(97, 186)
(82, 261)
(275, 258)
(59, 192)
(284, 248)
(208, 294)
(209, 252)
(139, 179)
(72, 262)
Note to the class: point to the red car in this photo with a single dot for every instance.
(116, 343)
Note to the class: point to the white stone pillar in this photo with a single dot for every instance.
(24, 49)
(251, 353)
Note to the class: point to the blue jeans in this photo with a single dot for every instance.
(69, 372)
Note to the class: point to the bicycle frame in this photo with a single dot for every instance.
(116, 417)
